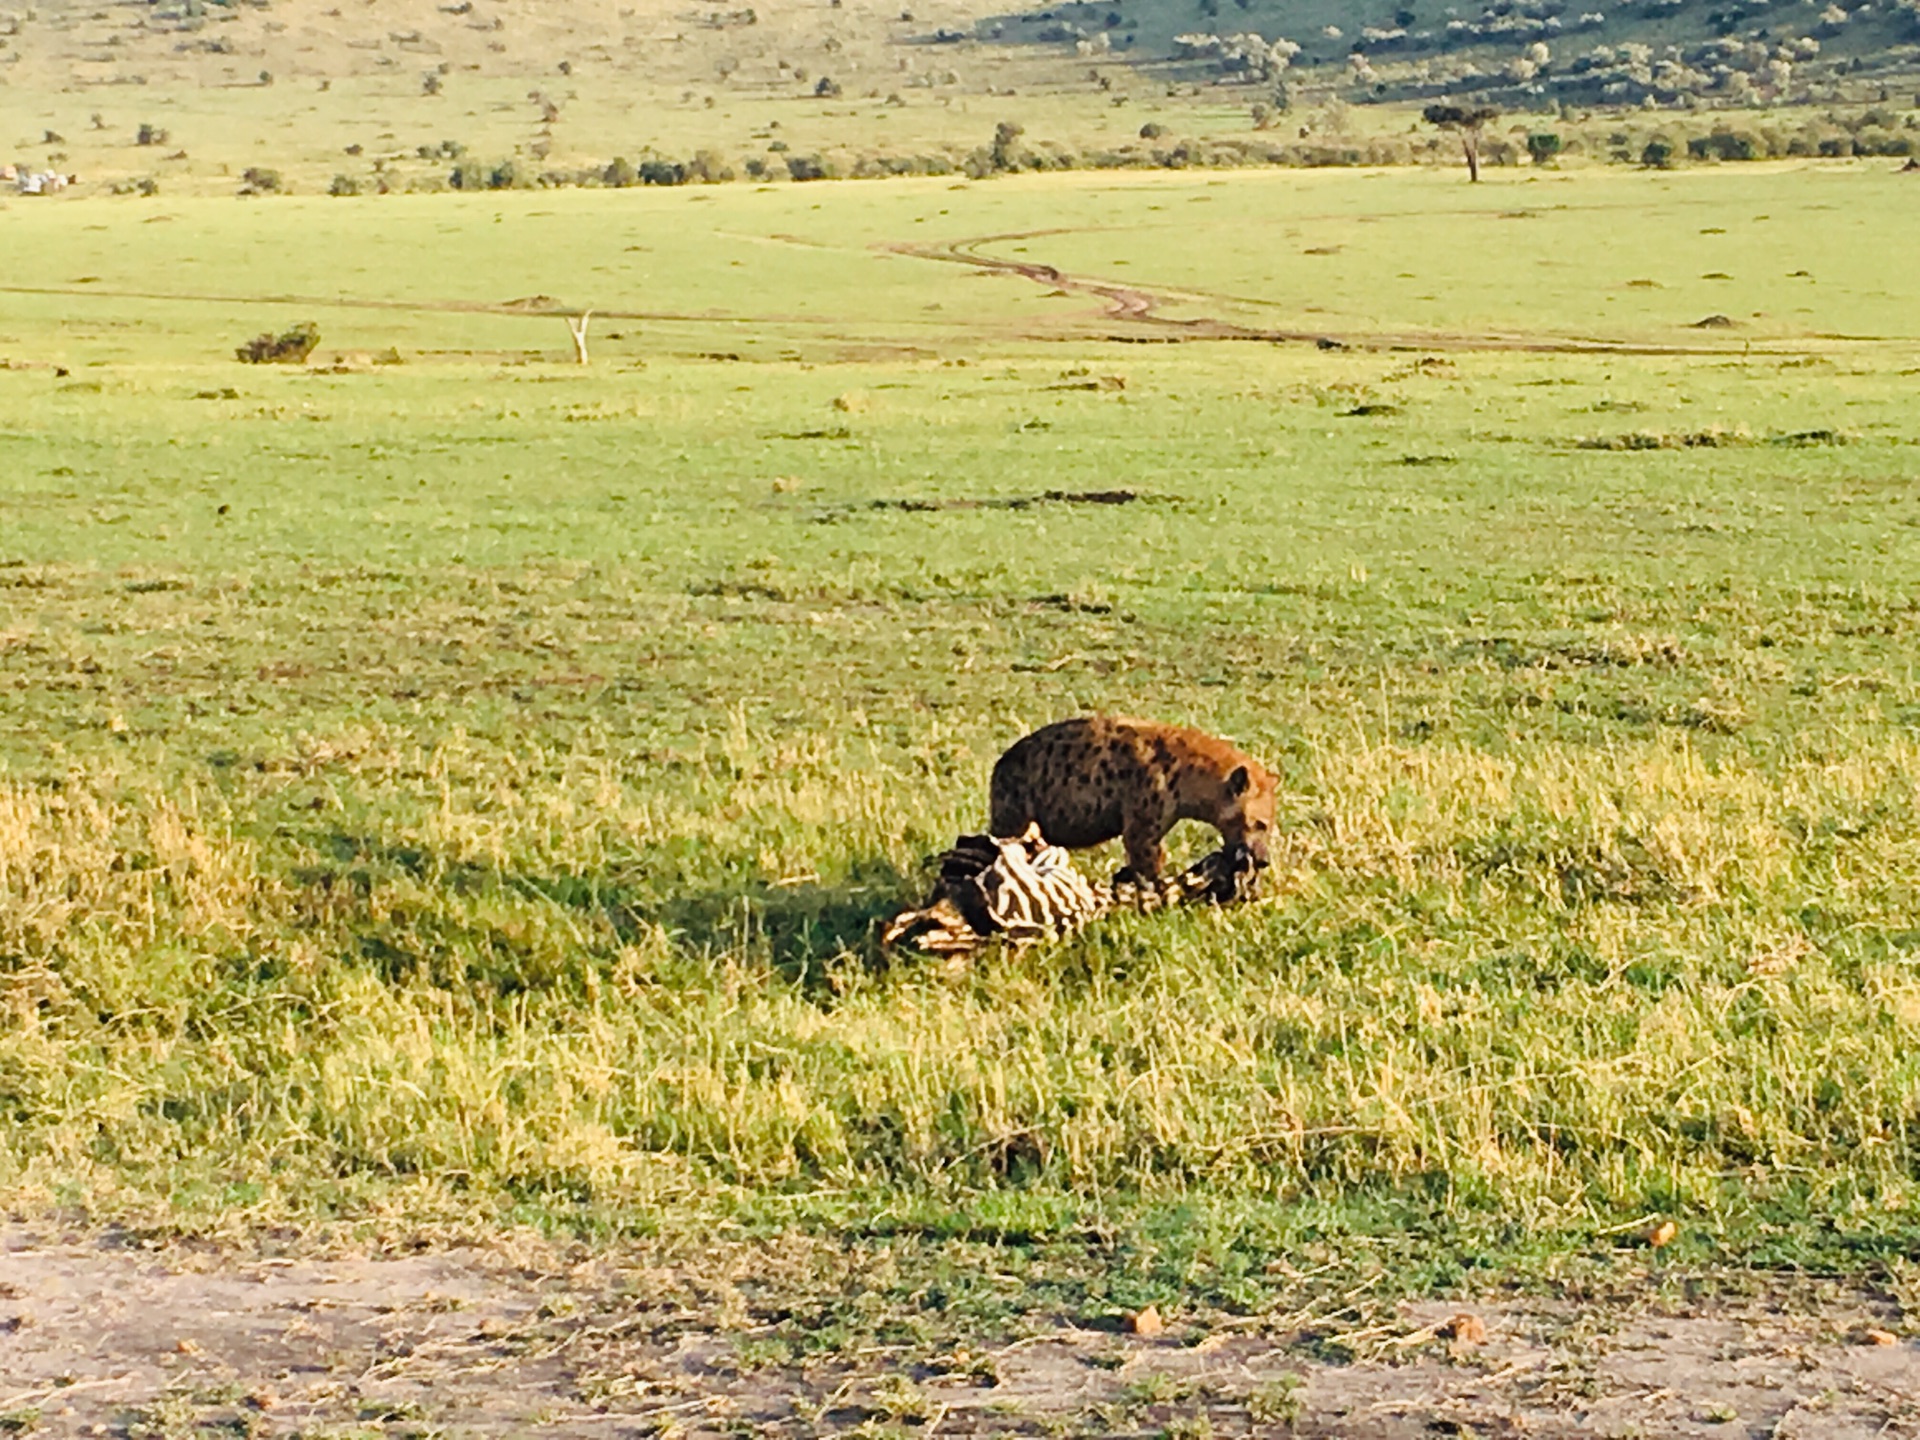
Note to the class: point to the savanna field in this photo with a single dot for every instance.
(443, 785)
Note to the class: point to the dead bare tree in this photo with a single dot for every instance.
(577, 327)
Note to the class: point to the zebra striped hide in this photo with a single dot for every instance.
(1024, 890)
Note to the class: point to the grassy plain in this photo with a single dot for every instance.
(463, 790)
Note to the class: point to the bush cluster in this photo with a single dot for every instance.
(1160, 151)
(289, 347)
(1831, 135)
(707, 167)
(1878, 131)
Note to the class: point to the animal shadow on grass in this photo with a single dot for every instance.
(800, 929)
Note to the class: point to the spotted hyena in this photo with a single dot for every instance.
(1100, 777)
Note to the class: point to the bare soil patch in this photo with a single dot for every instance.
(101, 1335)
(1018, 502)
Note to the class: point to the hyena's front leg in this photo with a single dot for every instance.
(1141, 833)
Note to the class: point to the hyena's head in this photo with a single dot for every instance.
(1243, 809)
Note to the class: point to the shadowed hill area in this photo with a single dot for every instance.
(1590, 51)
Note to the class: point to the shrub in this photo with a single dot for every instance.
(1876, 140)
(828, 88)
(150, 135)
(257, 180)
(509, 174)
(620, 174)
(709, 166)
(1543, 146)
(344, 185)
(468, 175)
(662, 172)
(812, 167)
(1725, 145)
(1152, 130)
(1657, 154)
(289, 347)
(1006, 153)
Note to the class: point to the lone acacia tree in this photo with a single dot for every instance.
(1467, 122)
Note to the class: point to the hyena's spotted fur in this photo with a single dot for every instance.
(1104, 777)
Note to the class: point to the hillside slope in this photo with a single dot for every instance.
(1538, 51)
(1588, 48)
(191, 96)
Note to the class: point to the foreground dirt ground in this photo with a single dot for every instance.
(101, 1335)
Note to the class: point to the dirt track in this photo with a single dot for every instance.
(1142, 309)
(1138, 313)
(98, 1336)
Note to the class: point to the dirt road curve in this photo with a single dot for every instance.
(98, 1337)
(1142, 311)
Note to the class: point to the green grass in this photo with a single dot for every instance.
(1615, 254)
(466, 788)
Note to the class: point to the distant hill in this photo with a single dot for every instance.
(1582, 51)
(193, 96)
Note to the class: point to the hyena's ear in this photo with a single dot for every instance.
(1239, 782)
